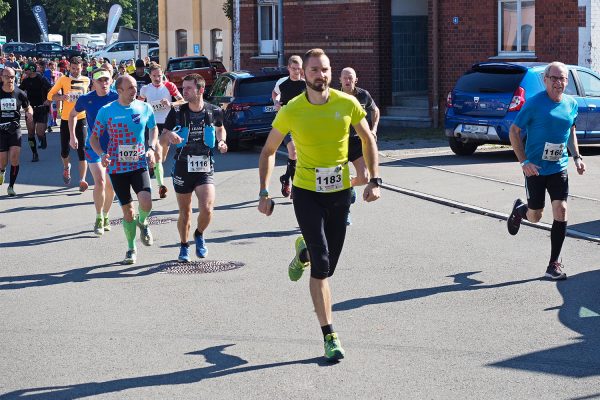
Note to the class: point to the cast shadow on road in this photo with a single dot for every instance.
(222, 365)
(445, 160)
(579, 312)
(49, 207)
(462, 282)
(242, 239)
(51, 239)
(76, 275)
(251, 204)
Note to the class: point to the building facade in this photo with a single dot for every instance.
(194, 27)
(409, 53)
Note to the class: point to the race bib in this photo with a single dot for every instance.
(198, 164)
(329, 179)
(8, 104)
(553, 151)
(158, 106)
(72, 97)
(128, 153)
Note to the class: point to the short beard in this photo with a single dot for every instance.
(318, 88)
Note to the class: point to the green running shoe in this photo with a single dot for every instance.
(297, 267)
(333, 347)
(99, 226)
(106, 224)
(130, 257)
(145, 234)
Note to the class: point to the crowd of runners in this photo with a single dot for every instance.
(121, 126)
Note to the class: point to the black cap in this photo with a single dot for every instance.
(140, 64)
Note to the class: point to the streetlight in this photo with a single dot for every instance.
(18, 24)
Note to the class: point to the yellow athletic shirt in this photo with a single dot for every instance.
(320, 133)
(70, 86)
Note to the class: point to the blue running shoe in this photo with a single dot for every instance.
(201, 250)
(184, 254)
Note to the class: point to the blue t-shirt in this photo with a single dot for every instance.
(548, 125)
(91, 103)
(125, 128)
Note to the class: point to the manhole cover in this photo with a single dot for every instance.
(151, 221)
(198, 267)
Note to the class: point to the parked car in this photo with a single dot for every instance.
(179, 67)
(19, 49)
(121, 51)
(153, 54)
(245, 98)
(487, 98)
(218, 66)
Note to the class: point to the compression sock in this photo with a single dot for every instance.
(327, 330)
(291, 168)
(143, 215)
(32, 144)
(14, 171)
(557, 237)
(159, 173)
(130, 229)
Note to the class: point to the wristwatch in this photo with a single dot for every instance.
(376, 181)
(576, 157)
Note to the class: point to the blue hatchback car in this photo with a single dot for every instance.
(245, 98)
(487, 98)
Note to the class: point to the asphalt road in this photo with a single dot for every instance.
(429, 301)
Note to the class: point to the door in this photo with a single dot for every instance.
(590, 84)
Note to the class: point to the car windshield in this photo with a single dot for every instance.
(257, 86)
(494, 81)
(188, 64)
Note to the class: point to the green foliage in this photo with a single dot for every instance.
(228, 9)
(4, 8)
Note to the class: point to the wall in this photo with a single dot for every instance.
(353, 33)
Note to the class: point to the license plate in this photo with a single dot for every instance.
(474, 128)
(269, 109)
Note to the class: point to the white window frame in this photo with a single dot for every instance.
(274, 45)
(519, 52)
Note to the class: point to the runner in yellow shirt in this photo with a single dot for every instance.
(70, 88)
(319, 122)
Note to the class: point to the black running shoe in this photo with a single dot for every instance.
(43, 142)
(514, 219)
(555, 272)
(286, 187)
(35, 158)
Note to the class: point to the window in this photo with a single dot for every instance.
(181, 39)
(216, 44)
(267, 27)
(590, 83)
(516, 27)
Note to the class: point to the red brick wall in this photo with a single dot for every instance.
(356, 35)
(475, 38)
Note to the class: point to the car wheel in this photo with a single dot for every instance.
(462, 148)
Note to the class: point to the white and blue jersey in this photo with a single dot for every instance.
(125, 126)
(91, 103)
(548, 125)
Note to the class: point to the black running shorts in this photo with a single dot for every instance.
(536, 186)
(65, 138)
(354, 148)
(40, 114)
(9, 139)
(138, 180)
(186, 182)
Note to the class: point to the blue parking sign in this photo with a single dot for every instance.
(196, 49)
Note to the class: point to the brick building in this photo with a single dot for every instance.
(409, 53)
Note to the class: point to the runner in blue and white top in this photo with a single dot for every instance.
(549, 119)
(91, 104)
(124, 121)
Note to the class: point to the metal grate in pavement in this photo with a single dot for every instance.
(198, 267)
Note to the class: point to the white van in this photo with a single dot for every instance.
(122, 51)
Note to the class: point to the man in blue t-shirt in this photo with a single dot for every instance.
(124, 122)
(91, 104)
(549, 120)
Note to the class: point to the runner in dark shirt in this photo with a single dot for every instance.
(12, 100)
(37, 87)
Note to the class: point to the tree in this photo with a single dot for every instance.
(4, 8)
(228, 9)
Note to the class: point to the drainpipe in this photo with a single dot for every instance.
(280, 35)
(236, 35)
(435, 65)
